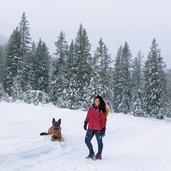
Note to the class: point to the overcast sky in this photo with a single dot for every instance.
(116, 21)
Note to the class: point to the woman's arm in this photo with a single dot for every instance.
(104, 119)
(88, 116)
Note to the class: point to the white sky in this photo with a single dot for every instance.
(116, 21)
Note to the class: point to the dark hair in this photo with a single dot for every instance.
(102, 106)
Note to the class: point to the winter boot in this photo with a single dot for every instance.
(90, 156)
(98, 157)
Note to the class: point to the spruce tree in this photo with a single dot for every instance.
(168, 78)
(14, 66)
(71, 73)
(155, 82)
(2, 63)
(41, 67)
(25, 34)
(102, 71)
(25, 49)
(117, 81)
(122, 81)
(32, 60)
(59, 79)
(137, 86)
(3, 95)
(83, 66)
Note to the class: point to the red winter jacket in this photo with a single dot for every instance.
(96, 120)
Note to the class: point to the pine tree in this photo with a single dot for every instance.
(17, 91)
(117, 81)
(70, 62)
(25, 34)
(14, 66)
(41, 67)
(71, 73)
(155, 82)
(25, 49)
(168, 78)
(31, 67)
(137, 86)
(95, 84)
(102, 72)
(2, 63)
(38, 84)
(122, 94)
(59, 79)
(83, 60)
(3, 95)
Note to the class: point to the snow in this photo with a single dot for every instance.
(130, 144)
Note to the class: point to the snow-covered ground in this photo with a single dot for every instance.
(130, 144)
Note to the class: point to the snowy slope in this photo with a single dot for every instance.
(130, 144)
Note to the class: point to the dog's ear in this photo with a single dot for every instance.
(59, 121)
(53, 121)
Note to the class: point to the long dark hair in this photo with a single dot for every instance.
(102, 106)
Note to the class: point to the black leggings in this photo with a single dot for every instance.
(88, 138)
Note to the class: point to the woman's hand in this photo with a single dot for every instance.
(85, 125)
(103, 131)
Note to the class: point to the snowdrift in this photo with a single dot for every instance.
(130, 144)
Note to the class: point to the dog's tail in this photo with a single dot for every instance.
(44, 133)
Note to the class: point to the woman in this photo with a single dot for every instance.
(96, 120)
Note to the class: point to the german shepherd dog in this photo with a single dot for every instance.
(54, 130)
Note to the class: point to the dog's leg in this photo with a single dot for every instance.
(50, 131)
